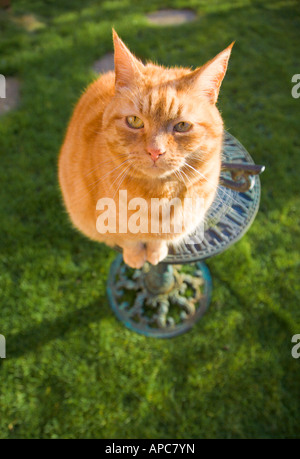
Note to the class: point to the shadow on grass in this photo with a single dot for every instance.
(35, 337)
(247, 389)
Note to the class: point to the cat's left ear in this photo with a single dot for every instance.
(127, 66)
(209, 77)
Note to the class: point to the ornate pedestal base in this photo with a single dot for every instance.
(160, 301)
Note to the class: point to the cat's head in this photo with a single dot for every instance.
(162, 117)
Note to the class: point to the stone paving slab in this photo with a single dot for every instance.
(161, 17)
(12, 95)
(104, 64)
(29, 22)
(171, 17)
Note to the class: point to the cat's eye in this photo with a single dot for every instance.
(183, 126)
(134, 122)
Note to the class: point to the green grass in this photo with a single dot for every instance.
(72, 370)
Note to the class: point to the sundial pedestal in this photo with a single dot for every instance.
(168, 299)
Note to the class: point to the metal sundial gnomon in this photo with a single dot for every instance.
(167, 299)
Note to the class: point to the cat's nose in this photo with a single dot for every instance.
(155, 153)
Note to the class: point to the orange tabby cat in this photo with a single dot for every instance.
(153, 132)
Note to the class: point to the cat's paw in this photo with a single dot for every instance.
(135, 258)
(156, 252)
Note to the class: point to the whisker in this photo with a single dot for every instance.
(179, 178)
(115, 168)
(94, 184)
(216, 199)
(205, 178)
(196, 153)
(182, 178)
(111, 185)
(101, 163)
(181, 171)
(123, 178)
(191, 167)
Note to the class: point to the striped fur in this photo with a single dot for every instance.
(102, 154)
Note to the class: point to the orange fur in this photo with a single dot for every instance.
(102, 154)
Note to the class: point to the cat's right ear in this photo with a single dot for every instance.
(127, 66)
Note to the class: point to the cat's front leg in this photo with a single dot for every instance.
(156, 251)
(134, 253)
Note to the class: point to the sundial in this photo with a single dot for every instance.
(166, 300)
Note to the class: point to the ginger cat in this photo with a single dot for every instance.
(149, 131)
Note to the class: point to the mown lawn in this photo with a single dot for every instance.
(72, 370)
